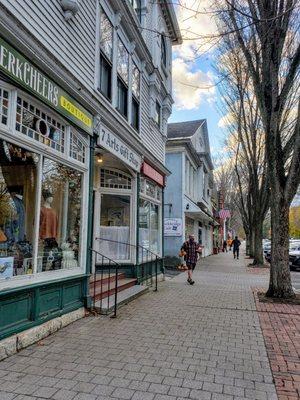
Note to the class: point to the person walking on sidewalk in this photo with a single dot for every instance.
(236, 247)
(191, 249)
(225, 246)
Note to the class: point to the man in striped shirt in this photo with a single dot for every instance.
(191, 249)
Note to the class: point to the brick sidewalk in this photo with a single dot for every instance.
(280, 324)
(184, 342)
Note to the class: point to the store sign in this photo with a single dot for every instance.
(117, 147)
(22, 71)
(173, 227)
(152, 174)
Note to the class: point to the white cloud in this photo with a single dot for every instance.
(190, 87)
(197, 24)
(226, 120)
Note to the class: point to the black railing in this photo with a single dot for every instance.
(146, 261)
(107, 285)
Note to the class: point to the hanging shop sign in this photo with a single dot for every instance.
(116, 146)
(22, 71)
(173, 227)
(151, 173)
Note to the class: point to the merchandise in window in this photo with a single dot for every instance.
(157, 116)
(60, 217)
(122, 98)
(18, 183)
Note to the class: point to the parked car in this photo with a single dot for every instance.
(294, 256)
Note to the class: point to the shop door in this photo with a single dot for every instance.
(115, 217)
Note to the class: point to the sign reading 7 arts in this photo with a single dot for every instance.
(22, 71)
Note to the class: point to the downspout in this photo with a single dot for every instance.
(163, 230)
(137, 261)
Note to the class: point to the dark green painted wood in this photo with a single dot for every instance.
(32, 305)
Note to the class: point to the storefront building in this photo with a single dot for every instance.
(188, 194)
(44, 194)
(85, 96)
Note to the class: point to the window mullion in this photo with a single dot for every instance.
(129, 92)
(114, 79)
(37, 213)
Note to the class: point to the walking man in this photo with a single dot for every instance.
(225, 246)
(191, 249)
(236, 247)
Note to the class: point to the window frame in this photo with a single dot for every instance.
(158, 111)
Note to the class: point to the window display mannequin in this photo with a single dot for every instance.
(48, 218)
(15, 228)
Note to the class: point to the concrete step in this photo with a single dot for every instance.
(106, 305)
(108, 288)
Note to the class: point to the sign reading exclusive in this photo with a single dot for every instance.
(13, 64)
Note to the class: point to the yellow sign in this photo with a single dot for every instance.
(72, 109)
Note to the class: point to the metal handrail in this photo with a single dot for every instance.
(138, 246)
(116, 267)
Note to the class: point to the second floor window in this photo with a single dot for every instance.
(163, 51)
(137, 5)
(106, 46)
(157, 115)
(123, 75)
(135, 110)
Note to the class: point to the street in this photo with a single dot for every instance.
(196, 342)
(296, 279)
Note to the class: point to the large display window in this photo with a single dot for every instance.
(43, 189)
(150, 217)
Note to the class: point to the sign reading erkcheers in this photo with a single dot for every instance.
(13, 64)
(117, 147)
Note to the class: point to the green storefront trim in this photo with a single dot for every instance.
(28, 306)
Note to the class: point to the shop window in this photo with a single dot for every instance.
(149, 229)
(122, 98)
(60, 217)
(4, 104)
(114, 180)
(77, 148)
(33, 122)
(115, 226)
(150, 189)
(18, 184)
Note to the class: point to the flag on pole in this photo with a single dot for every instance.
(223, 214)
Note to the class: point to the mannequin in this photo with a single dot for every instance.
(48, 218)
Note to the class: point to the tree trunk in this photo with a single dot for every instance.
(280, 285)
(247, 243)
(257, 245)
(251, 253)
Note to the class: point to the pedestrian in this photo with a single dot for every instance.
(191, 249)
(225, 246)
(229, 242)
(236, 247)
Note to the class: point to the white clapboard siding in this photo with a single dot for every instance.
(151, 137)
(72, 42)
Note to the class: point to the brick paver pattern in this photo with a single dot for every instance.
(183, 342)
(281, 328)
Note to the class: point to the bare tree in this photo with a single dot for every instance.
(245, 145)
(267, 33)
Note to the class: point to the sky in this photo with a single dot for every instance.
(194, 92)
